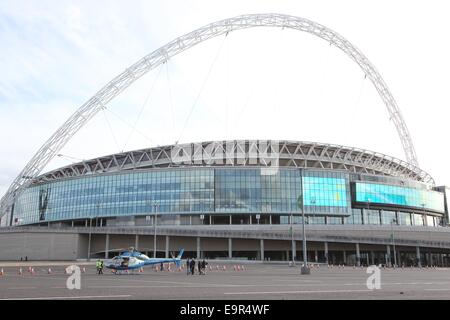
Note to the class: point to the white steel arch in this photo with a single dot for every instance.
(88, 110)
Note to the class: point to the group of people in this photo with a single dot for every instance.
(190, 266)
(99, 264)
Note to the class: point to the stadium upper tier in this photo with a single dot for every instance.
(246, 153)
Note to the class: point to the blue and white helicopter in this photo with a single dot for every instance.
(132, 260)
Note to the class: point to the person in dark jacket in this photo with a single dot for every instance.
(192, 266)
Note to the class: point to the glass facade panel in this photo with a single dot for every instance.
(326, 192)
(401, 196)
(388, 217)
(417, 219)
(404, 218)
(194, 191)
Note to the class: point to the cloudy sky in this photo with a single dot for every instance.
(258, 83)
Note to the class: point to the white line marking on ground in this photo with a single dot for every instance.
(287, 292)
(70, 297)
(19, 288)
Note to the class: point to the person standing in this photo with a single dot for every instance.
(199, 266)
(192, 266)
(98, 265)
(188, 266)
(101, 267)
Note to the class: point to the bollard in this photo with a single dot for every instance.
(32, 271)
(242, 268)
(20, 271)
(1, 272)
(224, 268)
(83, 270)
(238, 268)
(49, 271)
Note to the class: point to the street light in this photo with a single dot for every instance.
(305, 268)
(155, 205)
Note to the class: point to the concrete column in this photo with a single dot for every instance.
(101, 222)
(372, 256)
(190, 220)
(316, 256)
(388, 255)
(399, 259)
(270, 219)
(72, 223)
(344, 253)
(210, 219)
(107, 246)
(294, 249)
(136, 242)
(367, 258)
(86, 225)
(231, 220)
(287, 255)
(358, 256)
(431, 258)
(419, 263)
(250, 219)
(167, 246)
(230, 248)
(326, 251)
(198, 248)
(261, 248)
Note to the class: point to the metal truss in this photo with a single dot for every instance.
(89, 109)
(246, 153)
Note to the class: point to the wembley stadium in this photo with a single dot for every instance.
(236, 199)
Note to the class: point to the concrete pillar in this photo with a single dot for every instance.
(287, 255)
(431, 258)
(230, 248)
(294, 249)
(250, 219)
(190, 220)
(372, 256)
(388, 255)
(419, 263)
(344, 253)
(72, 223)
(167, 246)
(316, 256)
(358, 256)
(86, 224)
(107, 246)
(261, 248)
(399, 259)
(136, 242)
(198, 248)
(326, 251)
(270, 219)
(210, 219)
(231, 220)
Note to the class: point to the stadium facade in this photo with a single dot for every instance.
(239, 199)
(230, 199)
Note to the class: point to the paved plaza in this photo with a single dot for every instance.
(257, 281)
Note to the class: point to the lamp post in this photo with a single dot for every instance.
(305, 269)
(393, 241)
(156, 206)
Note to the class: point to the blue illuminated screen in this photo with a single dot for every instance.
(396, 195)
